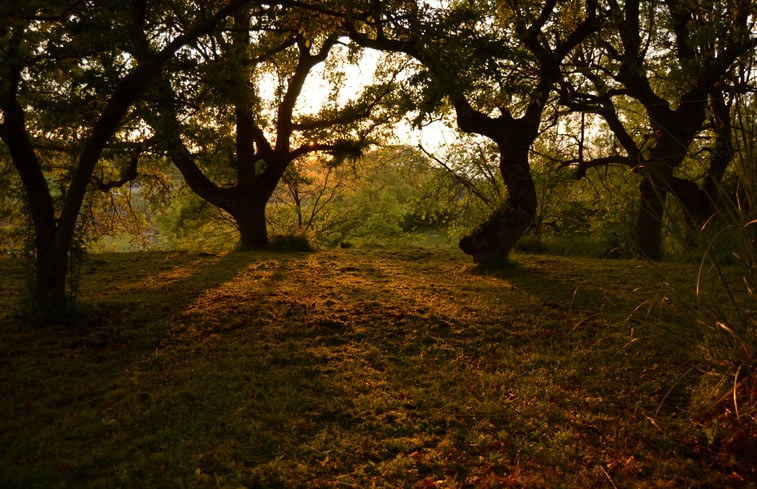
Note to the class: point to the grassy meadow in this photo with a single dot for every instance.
(383, 367)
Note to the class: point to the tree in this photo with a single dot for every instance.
(232, 139)
(496, 63)
(69, 75)
(303, 205)
(674, 60)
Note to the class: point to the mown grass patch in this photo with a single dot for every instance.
(357, 368)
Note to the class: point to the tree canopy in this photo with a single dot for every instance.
(94, 94)
(70, 78)
(231, 112)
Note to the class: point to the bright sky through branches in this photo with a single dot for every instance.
(357, 76)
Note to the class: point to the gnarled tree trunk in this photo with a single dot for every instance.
(491, 242)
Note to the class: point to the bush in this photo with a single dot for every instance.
(288, 243)
(529, 244)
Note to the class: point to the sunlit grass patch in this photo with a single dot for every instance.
(357, 368)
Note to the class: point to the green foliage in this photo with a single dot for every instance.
(591, 217)
(465, 185)
(367, 200)
(14, 218)
(190, 223)
(375, 209)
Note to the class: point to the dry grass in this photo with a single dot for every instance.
(357, 368)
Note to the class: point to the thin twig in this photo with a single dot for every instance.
(735, 392)
(608, 477)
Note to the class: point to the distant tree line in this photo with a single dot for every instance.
(106, 104)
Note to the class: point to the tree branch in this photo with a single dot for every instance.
(464, 181)
(128, 174)
(581, 165)
(305, 63)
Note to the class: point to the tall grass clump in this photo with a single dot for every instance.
(726, 303)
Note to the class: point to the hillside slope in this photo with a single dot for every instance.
(356, 368)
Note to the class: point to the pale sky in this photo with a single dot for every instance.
(357, 76)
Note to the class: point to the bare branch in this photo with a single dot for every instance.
(464, 181)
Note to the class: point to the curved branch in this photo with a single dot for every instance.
(305, 63)
(128, 174)
(582, 165)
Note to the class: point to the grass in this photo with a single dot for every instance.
(388, 367)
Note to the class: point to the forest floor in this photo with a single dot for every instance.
(385, 367)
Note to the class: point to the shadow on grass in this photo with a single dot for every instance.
(129, 299)
(341, 368)
(614, 287)
(196, 369)
(66, 389)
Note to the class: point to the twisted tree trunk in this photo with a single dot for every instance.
(491, 242)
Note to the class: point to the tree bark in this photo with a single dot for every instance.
(491, 242)
(723, 152)
(649, 220)
(675, 132)
(49, 296)
(705, 67)
(250, 218)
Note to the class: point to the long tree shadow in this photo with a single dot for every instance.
(80, 374)
(130, 300)
(271, 370)
(195, 365)
(133, 301)
(615, 288)
(240, 381)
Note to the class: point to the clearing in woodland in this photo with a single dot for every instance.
(386, 367)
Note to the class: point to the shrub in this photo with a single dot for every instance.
(290, 242)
